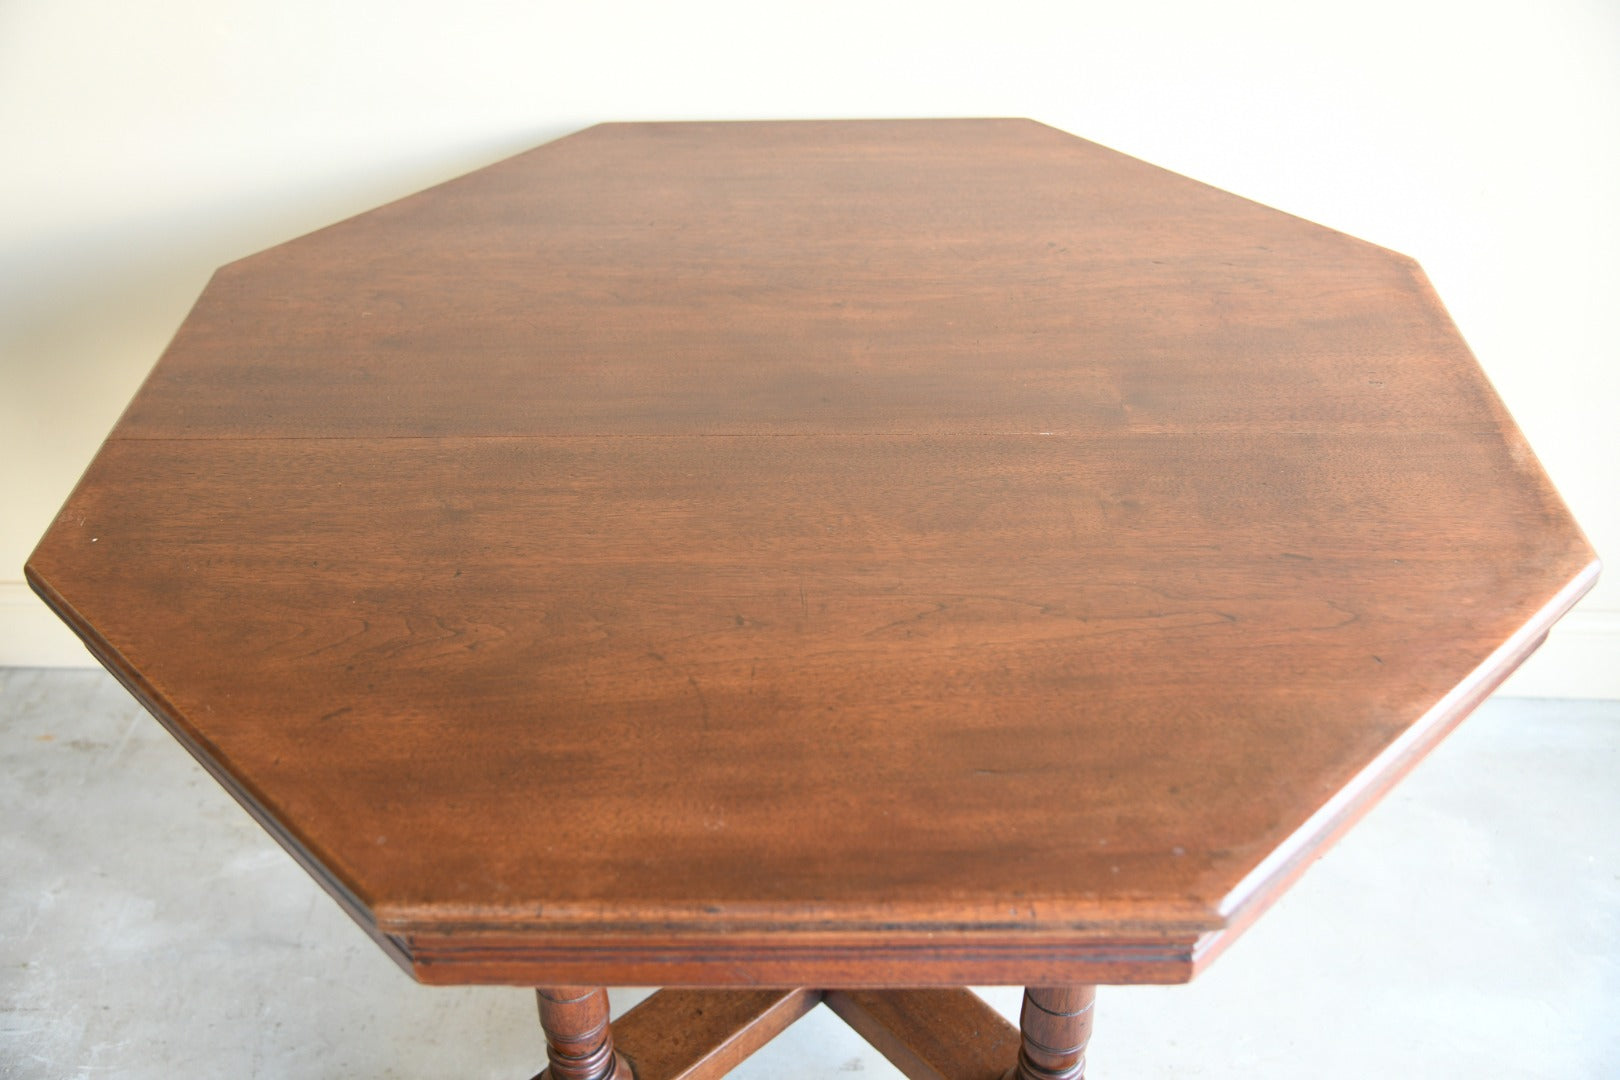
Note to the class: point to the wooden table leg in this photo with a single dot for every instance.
(579, 1040)
(926, 1034)
(1056, 1026)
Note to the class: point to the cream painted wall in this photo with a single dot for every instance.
(141, 145)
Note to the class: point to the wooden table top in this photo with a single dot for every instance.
(846, 553)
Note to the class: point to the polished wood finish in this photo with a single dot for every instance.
(930, 1034)
(871, 957)
(841, 554)
(1055, 1028)
(926, 1034)
(579, 1037)
(704, 1034)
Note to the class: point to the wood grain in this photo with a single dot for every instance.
(931, 1034)
(704, 1034)
(579, 1036)
(856, 554)
(1055, 1029)
(928, 276)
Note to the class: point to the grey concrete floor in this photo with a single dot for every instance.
(1469, 927)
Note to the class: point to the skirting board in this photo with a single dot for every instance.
(1580, 660)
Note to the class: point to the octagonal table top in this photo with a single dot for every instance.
(813, 553)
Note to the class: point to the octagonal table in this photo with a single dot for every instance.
(827, 561)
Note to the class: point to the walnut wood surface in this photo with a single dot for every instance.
(931, 1034)
(579, 1037)
(813, 554)
(1055, 1029)
(704, 1034)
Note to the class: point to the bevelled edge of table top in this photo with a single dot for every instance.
(801, 946)
(1037, 940)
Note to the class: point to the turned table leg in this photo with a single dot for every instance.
(1056, 1026)
(927, 1034)
(579, 1040)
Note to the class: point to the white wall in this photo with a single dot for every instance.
(143, 144)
